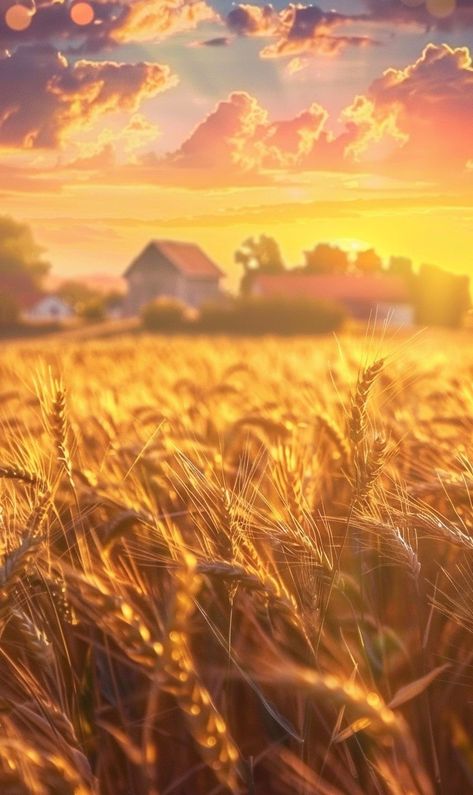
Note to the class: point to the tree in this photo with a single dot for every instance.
(442, 298)
(401, 266)
(77, 294)
(326, 259)
(19, 253)
(258, 256)
(9, 311)
(92, 310)
(368, 262)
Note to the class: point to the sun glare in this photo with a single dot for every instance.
(351, 245)
(82, 13)
(18, 17)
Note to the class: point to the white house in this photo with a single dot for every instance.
(50, 307)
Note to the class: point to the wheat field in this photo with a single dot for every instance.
(236, 567)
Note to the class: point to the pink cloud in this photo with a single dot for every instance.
(425, 110)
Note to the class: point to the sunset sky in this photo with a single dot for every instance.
(348, 121)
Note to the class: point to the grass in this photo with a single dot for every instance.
(236, 566)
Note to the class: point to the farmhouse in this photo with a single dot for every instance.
(171, 269)
(379, 298)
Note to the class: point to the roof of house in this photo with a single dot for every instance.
(20, 287)
(187, 258)
(366, 289)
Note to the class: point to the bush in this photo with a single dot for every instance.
(92, 310)
(164, 314)
(9, 311)
(272, 316)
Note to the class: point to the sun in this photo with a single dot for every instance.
(351, 245)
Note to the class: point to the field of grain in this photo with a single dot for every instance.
(236, 567)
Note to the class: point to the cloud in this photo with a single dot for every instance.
(416, 122)
(148, 20)
(44, 98)
(413, 123)
(238, 135)
(116, 22)
(424, 111)
(422, 14)
(236, 144)
(296, 29)
(217, 41)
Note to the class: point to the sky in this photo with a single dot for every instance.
(346, 121)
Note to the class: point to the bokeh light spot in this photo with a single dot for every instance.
(82, 13)
(18, 17)
(441, 8)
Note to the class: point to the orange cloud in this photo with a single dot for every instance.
(115, 22)
(425, 111)
(148, 20)
(296, 29)
(296, 65)
(45, 99)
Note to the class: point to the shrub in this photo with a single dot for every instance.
(164, 314)
(216, 318)
(92, 310)
(9, 311)
(272, 316)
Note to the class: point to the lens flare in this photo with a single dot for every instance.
(82, 13)
(18, 17)
(441, 8)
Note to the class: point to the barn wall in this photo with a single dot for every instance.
(200, 291)
(152, 277)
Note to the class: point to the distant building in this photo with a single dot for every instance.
(379, 298)
(173, 270)
(50, 307)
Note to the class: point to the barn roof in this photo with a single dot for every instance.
(187, 258)
(20, 287)
(366, 289)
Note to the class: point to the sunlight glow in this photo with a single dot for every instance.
(18, 17)
(82, 13)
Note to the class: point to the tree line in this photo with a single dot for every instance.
(439, 297)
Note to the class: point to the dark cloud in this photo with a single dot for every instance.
(218, 41)
(400, 13)
(116, 21)
(44, 98)
(297, 29)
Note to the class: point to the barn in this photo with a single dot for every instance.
(171, 269)
(378, 298)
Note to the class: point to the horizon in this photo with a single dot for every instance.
(104, 281)
(210, 122)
